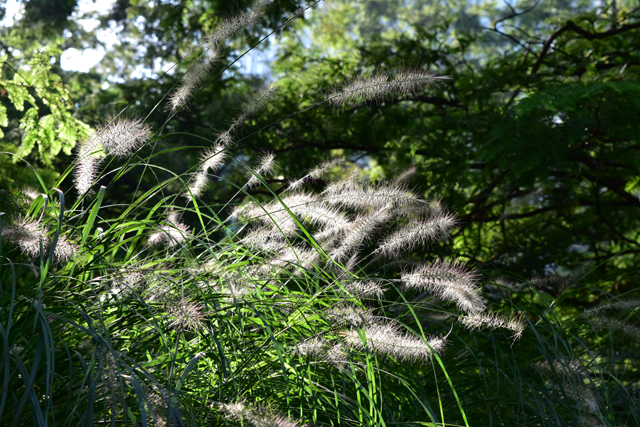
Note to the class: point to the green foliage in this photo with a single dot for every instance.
(39, 126)
(47, 122)
(533, 141)
(157, 301)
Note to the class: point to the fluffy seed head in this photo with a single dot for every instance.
(256, 416)
(125, 281)
(316, 173)
(514, 322)
(570, 375)
(229, 27)
(450, 281)
(264, 239)
(26, 235)
(123, 136)
(191, 80)
(405, 176)
(86, 170)
(308, 208)
(387, 340)
(409, 82)
(555, 284)
(626, 327)
(264, 167)
(171, 233)
(187, 315)
(365, 289)
(380, 86)
(250, 107)
(30, 193)
(233, 410)
(365, 227)
(212, 160)
(417, 232)
(352, 194)
(334, 354)
(65, 250)
(294, 256)
(350, 316)
(612, 307)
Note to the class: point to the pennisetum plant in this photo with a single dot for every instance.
(313, 307)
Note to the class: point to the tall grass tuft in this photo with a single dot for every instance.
(302, 308)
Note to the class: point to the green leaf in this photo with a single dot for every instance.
(4, 120)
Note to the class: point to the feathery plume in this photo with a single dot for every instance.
(30, 193)
(65, 250)
(428, 208)
(572, 376)
(244, 211)
(265, 166)
(126, 281)
(309, 208)
(565, 368)
(450, 281)
(26, 235)
(380, 86)
(159, 403)
(312, 347)
(352, 194)
(514, 322)
(233, 410)
(316, 173)
(521, 201)
(611, 307)
(186, 315)
(225, 29)
(264, 239)
(591, 422)
(365, 289)
(332, 232)
(257, 416)
(236, 290)
(294, 256)
(405, 176)
(350, 316)
(556, 284)
(191, 80)
(417, 232)
(365, 227)
(86, 169)
(387, 340)
(171, 233)
(111, 381)
(334, 354)
(409, 82)
(122, 136)
(304, 206)
(250, 107)
(623, 326)
(212, 160)
(229, 27)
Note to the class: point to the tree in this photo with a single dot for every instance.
(532, 142)
(508, 133)
(39, 135)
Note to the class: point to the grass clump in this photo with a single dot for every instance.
(299, 307)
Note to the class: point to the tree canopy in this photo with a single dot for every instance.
(532, 141)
